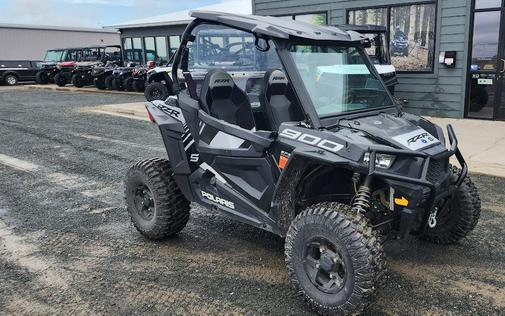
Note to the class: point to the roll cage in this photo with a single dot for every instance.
(283, 35)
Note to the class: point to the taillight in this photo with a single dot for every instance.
(150, 116)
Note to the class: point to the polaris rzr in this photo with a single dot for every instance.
(329, 162)
(377, 50)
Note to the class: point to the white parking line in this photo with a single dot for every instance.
(115, 141)
(18, 164)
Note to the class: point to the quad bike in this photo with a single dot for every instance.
(82, 74)
(400, 44)
(327, 160)
(139, 77)
(123, 78)
(103, 77)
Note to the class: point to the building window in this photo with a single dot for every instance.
(175, 41)
(411, 33)
(312, 18)
(132, 49)
(161, 49)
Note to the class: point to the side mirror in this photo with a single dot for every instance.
(367, 43)
(261, 44)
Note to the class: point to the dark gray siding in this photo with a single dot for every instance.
(440, 93)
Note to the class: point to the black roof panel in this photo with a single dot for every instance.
(363, 28)
(278, 27)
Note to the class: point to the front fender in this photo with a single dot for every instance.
(287, 191)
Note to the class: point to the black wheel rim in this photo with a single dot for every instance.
(324, 265)
(156, 93)
(144, 202)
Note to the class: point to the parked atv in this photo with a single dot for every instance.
(82, 74)
(123, 78)
(139, 76)
(400, 44)
(333, 165)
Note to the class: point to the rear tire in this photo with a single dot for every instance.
(60, 80)
(139, 85)
(41, 77)
(99, 84)
(11, 80)
(157, 207)
(117, 84)
(77, 81)
(335, 260)
(156, 91)
(463, 217)
(128, 84)
(108, 82)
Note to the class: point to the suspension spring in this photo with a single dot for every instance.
(361, 202)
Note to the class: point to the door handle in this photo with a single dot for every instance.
(503, 66)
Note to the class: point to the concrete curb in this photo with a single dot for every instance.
(74, 89)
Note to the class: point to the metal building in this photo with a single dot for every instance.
(449, 54)
(158, 37)
(31, 41)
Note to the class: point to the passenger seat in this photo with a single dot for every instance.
(279, 100)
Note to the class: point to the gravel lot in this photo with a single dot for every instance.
(67, 245)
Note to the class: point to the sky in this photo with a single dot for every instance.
(89, 13)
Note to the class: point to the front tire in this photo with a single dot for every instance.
(128, 84)
(334, 258)
(42, 77)
(461, 217)
(11, 80)
(139, 85)
(156, 91)
(157, 207)
(99, 84)
(60, 80)
(117, 84)
(77, 81)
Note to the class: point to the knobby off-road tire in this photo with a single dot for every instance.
(360, 256)
(168, 209)
(117, 84)
(108, 82)
(60, 80)
(77, 81)
(139, 85)
(42, 77)
(463, 217)
(128, 84)
(99, 84)
(156, 91)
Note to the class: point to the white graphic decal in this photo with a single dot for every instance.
(417, 139)
(217, 199)
(312, 140)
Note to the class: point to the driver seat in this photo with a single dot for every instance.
(278, 99)
(221, 98)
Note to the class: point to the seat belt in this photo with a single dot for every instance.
(190, 83)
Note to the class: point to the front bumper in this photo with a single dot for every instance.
(423, 192)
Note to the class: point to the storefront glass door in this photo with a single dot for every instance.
(486, 73)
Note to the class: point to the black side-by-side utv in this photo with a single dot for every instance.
(294, 132)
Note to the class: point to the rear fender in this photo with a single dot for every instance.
(173, 129)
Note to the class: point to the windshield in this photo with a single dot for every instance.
(338, 79)
(53, 55)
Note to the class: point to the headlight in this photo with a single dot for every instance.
(381, 160)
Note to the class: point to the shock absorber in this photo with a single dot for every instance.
(361, 201)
